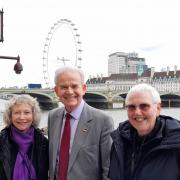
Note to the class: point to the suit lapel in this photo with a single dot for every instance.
(56, 133)
(82, 131)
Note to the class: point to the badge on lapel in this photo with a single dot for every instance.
(85, 130)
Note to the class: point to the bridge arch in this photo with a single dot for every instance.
(46, 101)
(121, 94)
(96, 99)
(170, 100)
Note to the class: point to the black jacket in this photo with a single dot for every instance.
(38, 154)
(154, 157)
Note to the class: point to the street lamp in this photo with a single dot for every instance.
(18, 66)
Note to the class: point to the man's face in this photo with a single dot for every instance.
(142, 112)
(70, 90)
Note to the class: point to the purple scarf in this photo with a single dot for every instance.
(23, 168)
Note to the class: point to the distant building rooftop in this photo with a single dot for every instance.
(134, 76)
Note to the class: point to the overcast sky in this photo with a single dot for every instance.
(147, 27)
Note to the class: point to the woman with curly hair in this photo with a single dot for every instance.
(23, 147)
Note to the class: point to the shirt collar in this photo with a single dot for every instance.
(77, 112)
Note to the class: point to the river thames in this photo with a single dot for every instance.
(118, 115)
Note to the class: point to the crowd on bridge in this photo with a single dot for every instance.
(82, 143)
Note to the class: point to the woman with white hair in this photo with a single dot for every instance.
(23, 147)
(147, 145)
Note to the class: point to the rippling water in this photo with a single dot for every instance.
(118, 115)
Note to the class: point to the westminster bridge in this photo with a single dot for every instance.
(116, 98)
(102, 99)
(46, 97)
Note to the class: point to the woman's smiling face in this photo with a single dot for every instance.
(142, 112)
(22, 116)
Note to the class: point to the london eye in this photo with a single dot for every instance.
(62, 47)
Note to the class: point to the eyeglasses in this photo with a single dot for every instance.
(142, 107)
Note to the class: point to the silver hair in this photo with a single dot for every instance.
(144, 88)
(18, 100)
(63, 69)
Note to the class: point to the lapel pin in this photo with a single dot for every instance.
(85, 130)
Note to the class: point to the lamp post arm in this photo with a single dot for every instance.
(10, 57)
(18, 66)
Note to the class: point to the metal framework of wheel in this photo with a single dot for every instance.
(77, 43)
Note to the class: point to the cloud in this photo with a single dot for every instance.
(151, 48)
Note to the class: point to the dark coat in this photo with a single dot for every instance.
(154, 157)
(38, 154)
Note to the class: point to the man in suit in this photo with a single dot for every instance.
(90, 141)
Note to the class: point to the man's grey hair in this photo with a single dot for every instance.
(18, 100)
(139, 88)
(63, 69)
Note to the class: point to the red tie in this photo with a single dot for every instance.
(64, 149)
